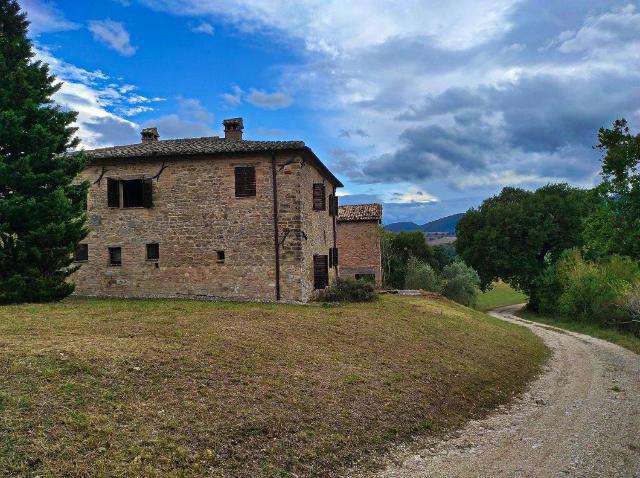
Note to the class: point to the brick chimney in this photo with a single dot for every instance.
(150, 134)
(233, 129)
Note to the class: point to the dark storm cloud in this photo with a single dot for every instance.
(575, 68)
(540, 124)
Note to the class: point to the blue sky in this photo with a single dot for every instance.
(426, 106)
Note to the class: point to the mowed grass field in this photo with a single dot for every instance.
(177, 388)
(501, 294)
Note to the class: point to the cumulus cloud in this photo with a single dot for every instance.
(602, 33)
(349, 133)
(203, 27)
(45, 17)
(193, 110)
(173, 126)
(336, 27)
(234, 98)
(113, 34)
(103, 103)
(271, 101)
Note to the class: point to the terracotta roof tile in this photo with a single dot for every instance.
(189, 146)
(210, 145)
(360, 212)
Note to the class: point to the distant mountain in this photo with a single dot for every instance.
(402, 226)
(444, 224)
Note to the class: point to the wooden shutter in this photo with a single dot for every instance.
(330, 255)
(335, 257)
(245, 181)
(113, 192)
(147, 193)
(319, 200)
(332, 212)
(335, 205)
(320, 272)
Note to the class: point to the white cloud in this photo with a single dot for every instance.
(338, 27)
(103, 103)
(113, 34)
(192, 109)
(602, 31)
(45, 17)
(235, 98)
(204, 27)
(271, 101)
(173, 126)
(412, 195)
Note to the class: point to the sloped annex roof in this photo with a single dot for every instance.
(360, 212)
(208, 145)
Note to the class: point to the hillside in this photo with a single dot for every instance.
(444, 224)
(183, 388)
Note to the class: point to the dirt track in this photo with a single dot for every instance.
(581, 418)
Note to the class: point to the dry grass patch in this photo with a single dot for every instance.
(182, 388)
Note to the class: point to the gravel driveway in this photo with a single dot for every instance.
(581, 418)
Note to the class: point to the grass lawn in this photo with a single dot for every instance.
(625, 340)
(501, 294)
(177, 388)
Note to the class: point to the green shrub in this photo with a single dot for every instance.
(629, 305)
(546, 290)
(460, 283)
(590, 292)
(421, 275)
(349, 290)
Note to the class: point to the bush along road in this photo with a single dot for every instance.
(580, 418)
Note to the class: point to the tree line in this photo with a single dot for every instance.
(573, 251)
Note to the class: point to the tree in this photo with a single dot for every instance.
(614, 226)
(40, 208)
(396, 251)
(515, 235)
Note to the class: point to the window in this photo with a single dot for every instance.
(82, 253)
(220, 255)
(245, 181)
(153, 251)
(129, 193)
(319, 200)
(115, 256)
(320, 272)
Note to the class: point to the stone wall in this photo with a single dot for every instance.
(359, 246)
(195, 214)
(318, 227)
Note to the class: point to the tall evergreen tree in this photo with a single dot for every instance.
(42, 215)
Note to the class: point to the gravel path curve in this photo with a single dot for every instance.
(580, 418)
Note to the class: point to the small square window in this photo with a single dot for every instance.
(115, 256)
(153, 251)
(220, 255)
(82, 253)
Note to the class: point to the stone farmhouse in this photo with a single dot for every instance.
(359, 241)
(208, 218)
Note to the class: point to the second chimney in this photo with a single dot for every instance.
(233, 129)
(150, 134)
